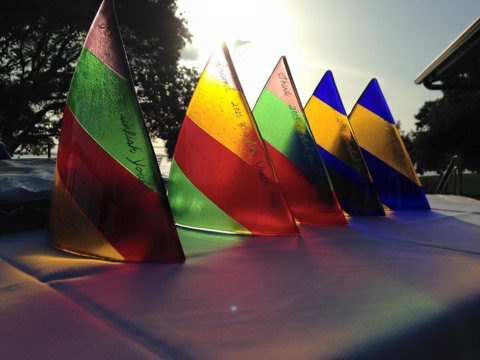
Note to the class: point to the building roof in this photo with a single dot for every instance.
(460, 56)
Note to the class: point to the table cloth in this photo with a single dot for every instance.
(383, 287)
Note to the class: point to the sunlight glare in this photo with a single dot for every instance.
(256, 32)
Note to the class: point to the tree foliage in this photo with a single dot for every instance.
(40, 42)
(448, 126)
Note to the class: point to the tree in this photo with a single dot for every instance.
(39, 46)
(448, 126)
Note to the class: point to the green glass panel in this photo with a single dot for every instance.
(105, 105)
(190, 206)
(286, 130)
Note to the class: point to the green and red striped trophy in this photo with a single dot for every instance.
(109, 200)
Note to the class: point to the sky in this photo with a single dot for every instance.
(392, 41)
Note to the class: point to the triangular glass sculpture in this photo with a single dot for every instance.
(387, 158)
(296, 159)
(109, 200)
(341, 154)
(221, 178)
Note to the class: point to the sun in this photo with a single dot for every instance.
(235, 22)
(256, 32)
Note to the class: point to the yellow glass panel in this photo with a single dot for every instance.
(382, 139)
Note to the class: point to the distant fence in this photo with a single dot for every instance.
(470, 186)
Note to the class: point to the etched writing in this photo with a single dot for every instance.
(309, 147)
(236, 109)
(136, 159)
(252, 143)
(139, 168)
(296, 116)
(284, 83)
(260, 166)
(130, 135)
(350, 144)
(249, 138)
(104, 29)
(224, 76)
